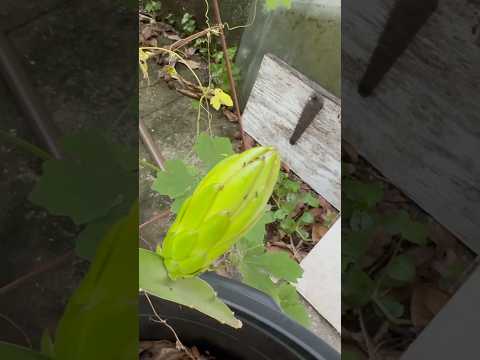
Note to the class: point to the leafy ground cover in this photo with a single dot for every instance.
(399, 266)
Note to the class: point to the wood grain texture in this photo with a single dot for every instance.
(272, 112)
(421, 128)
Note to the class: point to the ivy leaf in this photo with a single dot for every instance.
(211, 150)
(357, 288)
(416, 233)
(253, 241)
(291, 304)
(402, 268)
(175, 181)
(280, 214)
(367, 195)
(86, 185)
(254, 277)
(179, 200)
(361, 220)
(355, 244)
(400, 223)
(277, 264)
(288, 225)
(220, 98)
(311, 200)
(307, 218)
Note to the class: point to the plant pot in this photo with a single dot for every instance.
(266, 333)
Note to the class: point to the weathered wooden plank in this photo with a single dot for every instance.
(321, 281)
(453, 334)
(425, 112)
(272, 112)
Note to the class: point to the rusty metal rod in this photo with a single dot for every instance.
(150, 144)
(29, 101)
(228, 65)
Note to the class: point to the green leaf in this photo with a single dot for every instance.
(303, 233)
(253, 241)
(255, 277)
(416, 233)
(47, 346)
(179, 200)
(400, 223)
(274, 4)
(288, 225)
(192, 292)
(357, 288)
(367, 195)
(106, 299)
(361, 220)
(349, 355)
(87, 241)
(280, 214)
(402, 268)
(306, 218)
(89, 184)
(15, 352)
(290, 185)
(212, 150)
(175, 181)
(277, 264)
(311, 200)
(355, 243)
(392, 306)
(291, 304)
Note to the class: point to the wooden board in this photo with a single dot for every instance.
(321, 281)
(453, 334)
(271, 114)
(421, 128)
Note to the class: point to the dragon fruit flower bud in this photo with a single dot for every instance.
(225, 205)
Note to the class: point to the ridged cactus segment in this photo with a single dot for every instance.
(193, 292)
(225, 205)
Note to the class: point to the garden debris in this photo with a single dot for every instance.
(167, 350)
(400, 266)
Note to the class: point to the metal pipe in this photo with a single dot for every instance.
(30, 103)
(150, 144)
(228, 65)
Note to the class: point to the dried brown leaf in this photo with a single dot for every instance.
(426, 302)
(318, 231)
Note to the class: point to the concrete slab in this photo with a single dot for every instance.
(172, 121)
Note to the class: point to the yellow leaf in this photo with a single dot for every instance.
(171, 71)
(220, 98)
(143, 62)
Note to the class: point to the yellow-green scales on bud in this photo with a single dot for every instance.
(226, 204)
